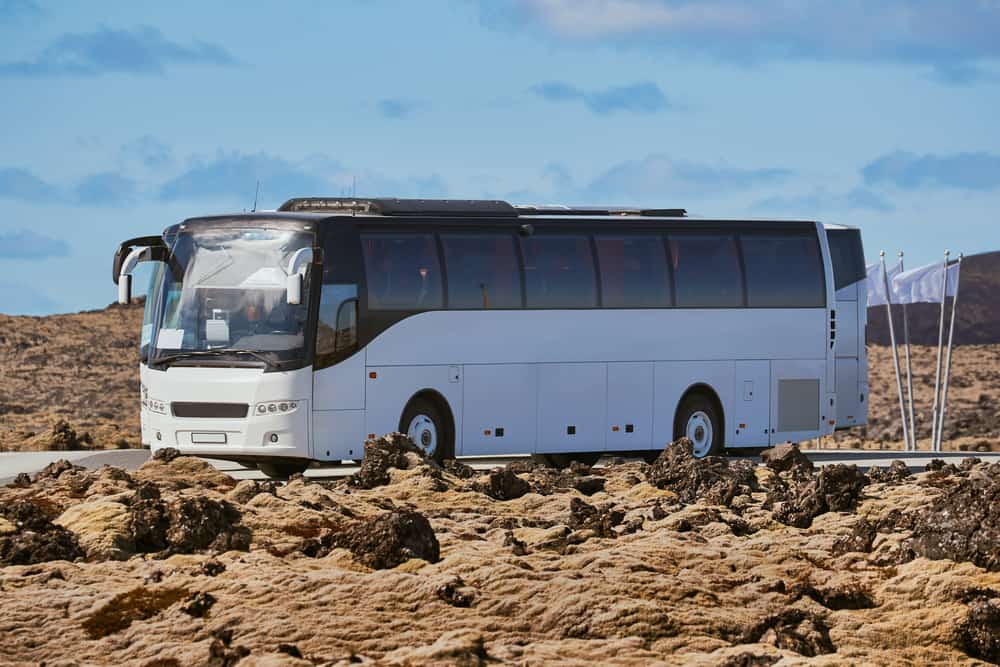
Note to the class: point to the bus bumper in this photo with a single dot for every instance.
(266, 436)
(257, 437)
(236, 414)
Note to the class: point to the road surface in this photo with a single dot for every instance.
(13, 463)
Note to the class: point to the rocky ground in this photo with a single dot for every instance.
(683, 562)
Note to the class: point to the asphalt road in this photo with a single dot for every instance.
(13, 463)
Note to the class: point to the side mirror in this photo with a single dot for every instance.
(297, 267)
(125, 289)
(127, 265)
(294, 289)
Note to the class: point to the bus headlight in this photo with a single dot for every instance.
(276, 408)
(155, 405)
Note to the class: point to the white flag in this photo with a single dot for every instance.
(876, 285)
(923, 284)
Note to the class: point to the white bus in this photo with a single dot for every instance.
(289, 337)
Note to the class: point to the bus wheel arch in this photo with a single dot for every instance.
(428, 405)
(700, 417)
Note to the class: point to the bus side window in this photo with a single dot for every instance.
(403, 271)
(783, 271)
(559, 272)
(482, 271)
(336, 330)
(634, 272)
(706, 270)
(847, 255)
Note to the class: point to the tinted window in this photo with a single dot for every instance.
(336, 330)
(559, 272)
(482, 271)
(847, 256)
(783, 271)
(706, 270)
(634, 271)
(402, 271)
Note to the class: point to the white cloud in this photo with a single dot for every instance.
(599, 18)
(941, 34)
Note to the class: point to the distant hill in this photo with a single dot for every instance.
(978, 318)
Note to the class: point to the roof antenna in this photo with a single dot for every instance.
(255, 195)
(354, 186)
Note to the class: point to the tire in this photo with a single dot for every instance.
(700, 420)
(651, 455)
(282, 470)
(422, 421)
(563, 460)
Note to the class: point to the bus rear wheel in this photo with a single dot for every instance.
(699, 420)
(282, 470)
(423, 423)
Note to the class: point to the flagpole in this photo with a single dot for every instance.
(935, 420)
(892, 340)
(947, 363)
(909, 374)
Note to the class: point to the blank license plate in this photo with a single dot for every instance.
(208, 438)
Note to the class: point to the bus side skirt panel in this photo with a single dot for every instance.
(338, 435)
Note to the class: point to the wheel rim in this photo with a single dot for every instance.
(699, 432)
(424, 433)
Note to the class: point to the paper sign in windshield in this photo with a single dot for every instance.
(170, 339)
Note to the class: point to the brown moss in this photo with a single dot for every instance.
(138, 604)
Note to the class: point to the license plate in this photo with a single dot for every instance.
(208, 438)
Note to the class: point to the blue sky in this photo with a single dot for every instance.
(121, 118)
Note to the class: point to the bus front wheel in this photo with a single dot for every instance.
(423, 423)
(282, 470)
(699, 420)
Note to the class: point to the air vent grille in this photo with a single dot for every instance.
(210, 410)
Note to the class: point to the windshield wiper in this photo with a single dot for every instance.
(213, 353)
(270, 363)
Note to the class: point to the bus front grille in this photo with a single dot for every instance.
(210, 410)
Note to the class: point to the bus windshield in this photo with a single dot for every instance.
(226, 299)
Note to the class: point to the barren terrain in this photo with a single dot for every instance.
(72, 382)
(685, 562)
